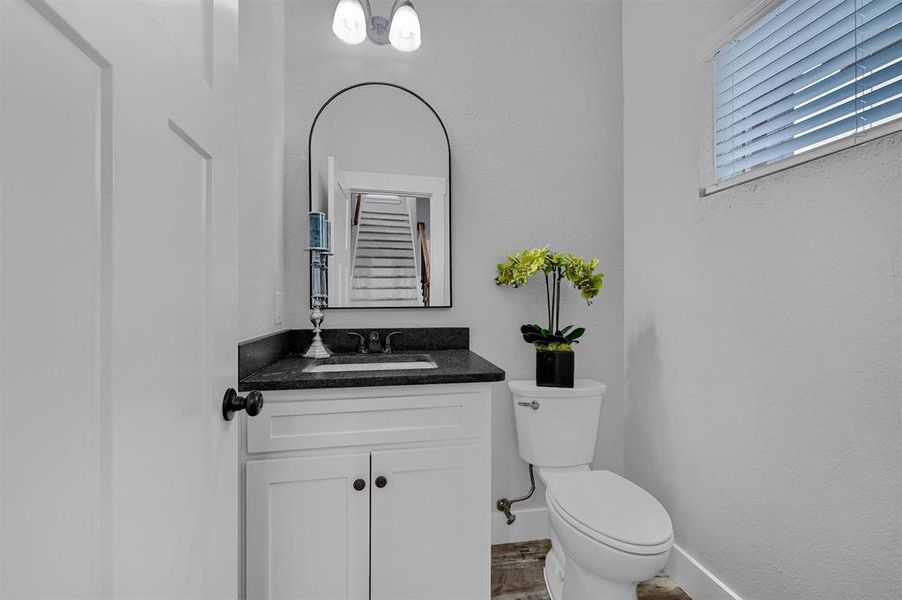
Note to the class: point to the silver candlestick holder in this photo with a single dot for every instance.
(319, 297)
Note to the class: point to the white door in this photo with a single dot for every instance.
(118, 476)
(427, 519)
(308, 528)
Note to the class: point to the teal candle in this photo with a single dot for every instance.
(317, 230)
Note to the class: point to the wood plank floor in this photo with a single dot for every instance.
(517, 575)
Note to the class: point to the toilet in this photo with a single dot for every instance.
(607, 533)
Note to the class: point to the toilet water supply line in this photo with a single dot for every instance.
(504, 505)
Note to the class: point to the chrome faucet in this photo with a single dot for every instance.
(387, 349)
(361, 346)
(374, 346)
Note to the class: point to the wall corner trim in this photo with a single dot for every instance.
(694, 578)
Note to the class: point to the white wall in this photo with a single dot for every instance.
(763, 342)
(533, 109)
(261, 164)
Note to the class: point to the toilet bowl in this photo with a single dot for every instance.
(607, 533)
(612, 534)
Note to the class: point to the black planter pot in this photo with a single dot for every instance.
(554, 369)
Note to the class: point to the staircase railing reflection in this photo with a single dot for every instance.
(425, 263)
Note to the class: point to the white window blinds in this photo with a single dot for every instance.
(807, 73)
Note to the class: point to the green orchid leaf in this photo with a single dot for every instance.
(532, 338)
(575, 334)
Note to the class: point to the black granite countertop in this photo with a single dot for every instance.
(452, 366)
(276, 362)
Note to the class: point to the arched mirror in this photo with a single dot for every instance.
(380, 173)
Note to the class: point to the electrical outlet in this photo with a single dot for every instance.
(277, 308)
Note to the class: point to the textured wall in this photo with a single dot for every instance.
(763, 342)
(261, 164)
(533, 109)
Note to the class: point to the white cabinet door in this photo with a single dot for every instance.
(308, 528)
(430, 529)
(118, 298)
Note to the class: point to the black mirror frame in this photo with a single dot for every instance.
(450, 214)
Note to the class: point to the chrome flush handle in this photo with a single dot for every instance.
(533, 405)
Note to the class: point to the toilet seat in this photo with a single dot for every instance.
(612, 511)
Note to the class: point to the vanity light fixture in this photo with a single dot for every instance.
(349, 22)
(354, 22)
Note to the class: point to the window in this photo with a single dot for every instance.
(805, 75)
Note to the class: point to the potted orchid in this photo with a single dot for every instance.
(553, 344)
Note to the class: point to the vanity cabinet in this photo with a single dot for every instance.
(362, 493)
(427, 524)
(307, 528)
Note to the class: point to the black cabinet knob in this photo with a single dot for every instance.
(232, 403)
(381, 482)
(359, 484)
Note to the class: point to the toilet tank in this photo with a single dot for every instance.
(557, 427)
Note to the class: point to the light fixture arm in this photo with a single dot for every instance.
(378, 27)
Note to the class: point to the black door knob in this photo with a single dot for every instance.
(381, 482)
(232, 403)
(359, 484)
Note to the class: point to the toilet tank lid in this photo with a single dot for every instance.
(581, 388)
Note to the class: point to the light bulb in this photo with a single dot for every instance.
(349, 23)
(405, 28)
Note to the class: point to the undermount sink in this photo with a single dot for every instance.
(367, 362)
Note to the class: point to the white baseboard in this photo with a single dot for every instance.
(694, 578)
(531, 524)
